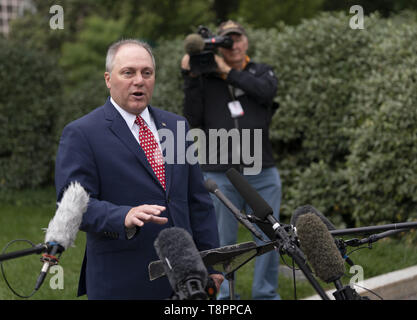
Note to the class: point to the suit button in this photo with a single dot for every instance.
(168, 199)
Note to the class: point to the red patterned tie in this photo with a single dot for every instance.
(152, 151)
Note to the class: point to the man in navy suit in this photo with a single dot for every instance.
(131, 201)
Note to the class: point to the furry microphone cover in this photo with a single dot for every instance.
(64, 225)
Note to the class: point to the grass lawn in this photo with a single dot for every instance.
(24, 214)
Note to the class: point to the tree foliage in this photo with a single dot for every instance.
(344, 132)
(267, 13)
(29, 101)
(333, 83)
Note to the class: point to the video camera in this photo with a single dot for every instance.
(201, 47)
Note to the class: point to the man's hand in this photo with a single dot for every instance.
(218, 279)
(140, 215)
(185, 62)
(222, 66)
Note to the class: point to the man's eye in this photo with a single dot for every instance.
(147, 73)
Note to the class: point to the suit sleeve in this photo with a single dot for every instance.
(261, 85)
(75, 162)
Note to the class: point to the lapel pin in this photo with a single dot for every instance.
(164, 124)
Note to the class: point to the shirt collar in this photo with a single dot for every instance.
(130, 118)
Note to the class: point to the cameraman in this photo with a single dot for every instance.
(252, 86)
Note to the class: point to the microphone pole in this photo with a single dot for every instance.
(294, 252)
(361, 230)
(212, 187)
(37, 249)
(264, 212)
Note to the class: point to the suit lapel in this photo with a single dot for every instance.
(119, 128)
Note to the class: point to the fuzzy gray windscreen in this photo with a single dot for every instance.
(64, 225)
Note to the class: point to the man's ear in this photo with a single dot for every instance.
(107, 79)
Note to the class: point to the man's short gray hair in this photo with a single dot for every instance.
(111, 52)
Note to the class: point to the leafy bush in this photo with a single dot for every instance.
(333, 82)
(381, 168)
(344, 133)
(29, 100)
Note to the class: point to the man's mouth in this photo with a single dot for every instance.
(138, 94)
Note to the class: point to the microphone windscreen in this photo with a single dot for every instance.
(260, 207)
(65, 224)
(181, 259)
(210, 185)
(194, 44)
(318, 245)
(310, 209)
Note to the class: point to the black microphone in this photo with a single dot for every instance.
(310, 209)
(63, 228)
(194, 44)
(263, 211)
(319, 247)
(182, 264)
(260, 207)
(212, 187)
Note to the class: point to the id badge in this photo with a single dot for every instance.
(236, 109)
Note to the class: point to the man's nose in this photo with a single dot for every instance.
(138, 79)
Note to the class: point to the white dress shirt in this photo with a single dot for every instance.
(133, 127)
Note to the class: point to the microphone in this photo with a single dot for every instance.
(194, 44)
(264, 212)
(300, 211)
(319, 247)
(220, 257)
(260, 207)
(212, 187)
(63, 227)
(182, 264)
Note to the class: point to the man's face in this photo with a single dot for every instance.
(132, 78)
(237, 53)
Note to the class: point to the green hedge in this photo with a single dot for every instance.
(382, 164)
(29, 101)
(344, 133)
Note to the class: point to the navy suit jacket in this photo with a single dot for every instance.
(100, 152)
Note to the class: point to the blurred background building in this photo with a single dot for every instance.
(11, 9)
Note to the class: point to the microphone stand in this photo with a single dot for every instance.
(227, 264)
(37, 249)
(363, 230)
(223, 257)
(347, 292)
(230, 274)
(288, 245)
